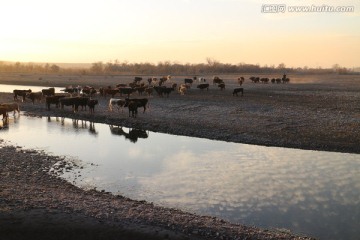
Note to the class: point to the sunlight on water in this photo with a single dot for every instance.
(310, 192)
(10, 88)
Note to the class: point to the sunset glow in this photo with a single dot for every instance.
(185, 31)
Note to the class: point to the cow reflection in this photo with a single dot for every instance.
(5, 124)
(84, 125)
(77, 124)
(133, 135)
(57, 119)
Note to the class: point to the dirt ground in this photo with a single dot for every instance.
(319, 112)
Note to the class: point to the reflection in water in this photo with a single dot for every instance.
(4, 124)
(76, 123)
(133, 135)
(309, 192)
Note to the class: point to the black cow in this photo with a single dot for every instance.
(75, 102)
(203, 86)
(53, 100)
(133, 106)
(126, 90)
(221, 86)
(21, 93)
(237, 90)
(141, 102)
(217, 80)
(91, 103)
(48, 92)
(188, 80)
(162, 90)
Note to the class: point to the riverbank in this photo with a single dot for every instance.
(36, 204)
(310, 113)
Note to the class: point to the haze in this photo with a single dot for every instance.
(185, 31)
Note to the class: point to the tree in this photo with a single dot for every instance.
(97, 67)
(281, 66)
(55, 68)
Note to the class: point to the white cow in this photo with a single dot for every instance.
(119, 103)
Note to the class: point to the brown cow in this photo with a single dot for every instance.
(35, 96)
(11, 107)
(3, 111)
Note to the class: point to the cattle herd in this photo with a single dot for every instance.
(87, 96)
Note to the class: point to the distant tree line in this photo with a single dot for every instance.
(29, 67)
(166, 67)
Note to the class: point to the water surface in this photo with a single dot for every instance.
(309, 192)
(10, 88)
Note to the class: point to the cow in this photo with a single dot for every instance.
(221, 86)
(137, 79)
(126, 90)
(72, 90)
(119, 103)
(201, 79)
(81, 101)
(161, 90)
(217, 80)
(264, 80)
(75, 102)
(21, 93)
(188, 80)
(164, 79)
(35, 96)
(203, 86)
(48, 92)
(141, 102)
(53, 100)
(67, 101)
(167, 90)
(111, 91)
(149, 90)
(285, 80)
(91, 103)
(90, 91)
(237, 90)
(135, 85)
(255, 79)
(241, 80)
(152, 80)
(182, 89)
(140, 90)
(121, 85)
(11, 107)
(133, 106)
(3, 111)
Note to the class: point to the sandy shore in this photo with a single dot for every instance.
(312, 112)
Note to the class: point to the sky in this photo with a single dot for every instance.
(183, 31)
